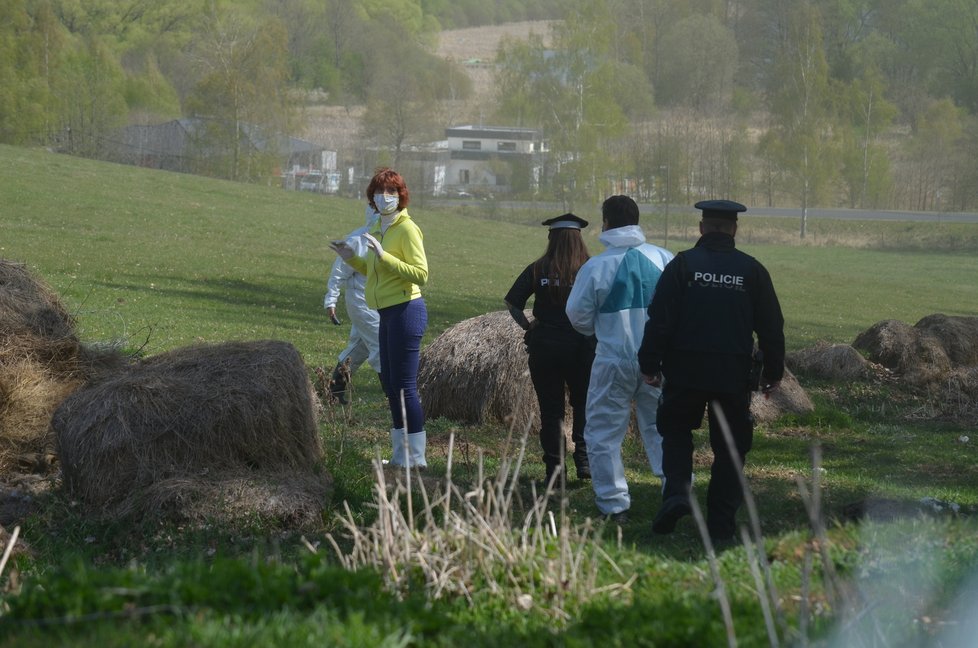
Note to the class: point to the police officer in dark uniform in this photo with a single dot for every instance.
(699, 345)
(559, 356)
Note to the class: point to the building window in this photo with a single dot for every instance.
(463, 176)
(471, 145)
(506, 146)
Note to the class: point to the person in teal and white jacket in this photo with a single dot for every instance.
(396, 267)
(610, 300)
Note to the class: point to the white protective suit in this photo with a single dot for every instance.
(363, 343)
(610, 299)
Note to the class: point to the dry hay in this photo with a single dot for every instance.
(41, 362)
(287, 499)
(958, 336)
(831, 361)
(28, 307)
(477, 371)
(957, 397)
(29, 395)
(181, 426)
(789, 398)
(918, 357)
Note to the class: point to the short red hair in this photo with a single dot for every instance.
(387, 179)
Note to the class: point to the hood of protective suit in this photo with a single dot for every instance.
(627, 236)
(355, 239)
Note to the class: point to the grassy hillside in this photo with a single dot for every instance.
(142, 255)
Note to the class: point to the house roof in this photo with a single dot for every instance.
(493, 132)
(172, 137)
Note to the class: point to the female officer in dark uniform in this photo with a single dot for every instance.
(559, 355)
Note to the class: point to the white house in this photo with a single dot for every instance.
(493, 158)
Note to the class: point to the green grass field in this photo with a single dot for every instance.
(152, 261)
(140, 254)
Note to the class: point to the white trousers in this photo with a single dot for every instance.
(615, 384)
(364, 342)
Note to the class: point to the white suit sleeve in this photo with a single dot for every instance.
(581, 303)
(338, 275)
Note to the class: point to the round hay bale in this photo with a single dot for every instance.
(831, 361)
(888, 342)
(919, 358)
(789, 398)
(196, 413)
(29, 307)
(476, 371)
(958, 336)
(41, 363)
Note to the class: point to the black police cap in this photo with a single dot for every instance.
(567, 221)
(727, 209)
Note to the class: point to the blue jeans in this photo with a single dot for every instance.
(401, 329)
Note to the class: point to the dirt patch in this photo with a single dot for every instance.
(483, 42)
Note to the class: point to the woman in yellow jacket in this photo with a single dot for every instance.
(396, 268)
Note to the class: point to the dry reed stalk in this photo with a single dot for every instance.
(851, 608)
(711, 556)
(768, 596)
(803, 611)
(9, 548)
(754, 562)
(475, 540)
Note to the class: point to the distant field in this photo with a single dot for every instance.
(165, 259)
(338, 127)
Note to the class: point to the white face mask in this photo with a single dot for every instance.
(386, 203)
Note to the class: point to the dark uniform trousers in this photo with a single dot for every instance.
(556, 361)
(680, 412)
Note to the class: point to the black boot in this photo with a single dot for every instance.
(338, 383)
(552, 469)
(582, 464)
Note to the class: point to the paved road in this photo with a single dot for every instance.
(862, 214)
(794, 212)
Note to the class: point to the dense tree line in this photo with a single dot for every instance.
(860, 103)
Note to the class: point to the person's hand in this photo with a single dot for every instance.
(653, 381)
(331, 313)
(342, 249)
(769, 388)
(374, 244)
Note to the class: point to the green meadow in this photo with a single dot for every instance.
(149, 261)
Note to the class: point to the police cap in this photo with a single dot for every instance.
(567, 221)
(726, 209)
